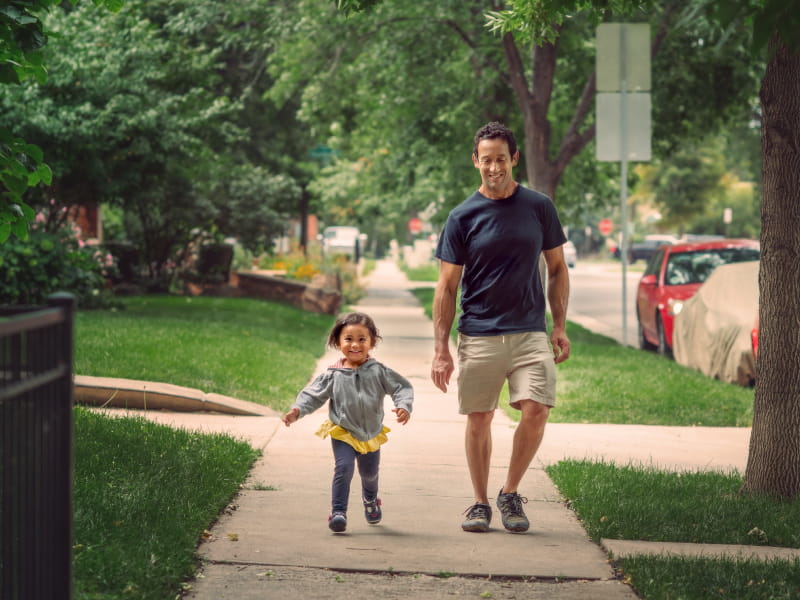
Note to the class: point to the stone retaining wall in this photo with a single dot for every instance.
(319, 296)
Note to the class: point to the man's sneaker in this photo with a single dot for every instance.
(372, 511)
(510, 506)
(478, 517)
(337, 522)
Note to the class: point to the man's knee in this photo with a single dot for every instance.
(533, 411)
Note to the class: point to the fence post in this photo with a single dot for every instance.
(36, 450)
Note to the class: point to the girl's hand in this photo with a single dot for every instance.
(291, 416)
(402, 415)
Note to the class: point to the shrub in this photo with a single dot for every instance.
(52, 262)
(303, 268)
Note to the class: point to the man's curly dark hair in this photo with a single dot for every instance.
(495, 130)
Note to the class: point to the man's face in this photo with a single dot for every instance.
(495, 164)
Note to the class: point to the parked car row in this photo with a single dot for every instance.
(645, 249)
(673, 276)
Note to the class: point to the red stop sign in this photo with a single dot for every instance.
(415, 225)
(605, 226)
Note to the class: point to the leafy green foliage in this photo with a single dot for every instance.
(43, 263)
(22, 38)
(21, 167)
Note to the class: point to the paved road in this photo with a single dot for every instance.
(595, 299)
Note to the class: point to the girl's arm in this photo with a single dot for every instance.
(401, 391)
(310, 398)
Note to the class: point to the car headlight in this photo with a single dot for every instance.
(674, 307)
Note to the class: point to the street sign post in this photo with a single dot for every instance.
(623, 113)
(605, 226)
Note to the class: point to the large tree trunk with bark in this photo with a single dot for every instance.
(773, 464)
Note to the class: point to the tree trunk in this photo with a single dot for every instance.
(773, 464)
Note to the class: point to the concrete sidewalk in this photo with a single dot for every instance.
(275, 541)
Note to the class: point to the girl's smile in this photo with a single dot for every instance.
(355, 342)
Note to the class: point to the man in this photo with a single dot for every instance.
(491, 245)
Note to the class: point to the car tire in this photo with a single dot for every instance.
(643, 343)
(663, 349)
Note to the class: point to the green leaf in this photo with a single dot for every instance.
(112, 5)
(34, 152)
(8, 74)
(15, 184)
(27, 211)
(5, 231)
(20, 229)
(43, 174)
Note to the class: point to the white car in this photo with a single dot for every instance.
(570, 254)
(343, 240)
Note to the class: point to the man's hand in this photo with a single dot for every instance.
(560, 343)
(441, 370)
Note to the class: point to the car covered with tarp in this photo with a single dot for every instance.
(713, 331)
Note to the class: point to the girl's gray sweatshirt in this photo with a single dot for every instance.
(356, 396)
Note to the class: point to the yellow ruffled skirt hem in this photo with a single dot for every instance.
(340, 433)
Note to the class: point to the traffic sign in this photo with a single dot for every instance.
(605, 226)
(415, 225)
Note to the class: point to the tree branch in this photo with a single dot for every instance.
(516, 72)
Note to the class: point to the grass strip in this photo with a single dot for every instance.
(643, 503)
(658, 578)
(143, 495)
(263, 352)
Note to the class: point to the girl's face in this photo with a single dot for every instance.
(355, 342)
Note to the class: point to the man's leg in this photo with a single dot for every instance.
(478, 444)
(527, 439)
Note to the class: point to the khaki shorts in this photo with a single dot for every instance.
(485, 363)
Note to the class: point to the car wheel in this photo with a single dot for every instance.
(643, 343)
(663, 349)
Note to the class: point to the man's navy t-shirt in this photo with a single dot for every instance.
(498, 242)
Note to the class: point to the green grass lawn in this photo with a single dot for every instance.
(249, 349)
(265, 352)
(143, 494)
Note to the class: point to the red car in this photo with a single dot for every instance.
(674, 274)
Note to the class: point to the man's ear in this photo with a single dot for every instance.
(515, 159)
(475, 161)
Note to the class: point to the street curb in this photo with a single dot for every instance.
(147, 395)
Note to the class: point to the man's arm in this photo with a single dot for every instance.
(558, 297)
(444, 311)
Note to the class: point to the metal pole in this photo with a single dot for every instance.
(624, 180)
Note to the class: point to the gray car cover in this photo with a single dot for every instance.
(712, 331)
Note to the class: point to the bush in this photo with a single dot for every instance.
(304, 268)
(51, 262)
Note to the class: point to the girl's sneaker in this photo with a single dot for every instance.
(337, 522)
(372, 511)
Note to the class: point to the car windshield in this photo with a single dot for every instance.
(695, 267)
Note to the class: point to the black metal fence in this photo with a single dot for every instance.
(36, 451)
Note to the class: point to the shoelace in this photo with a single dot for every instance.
(516, 501)
(477, 511)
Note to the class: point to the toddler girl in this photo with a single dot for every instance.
(355, 385)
